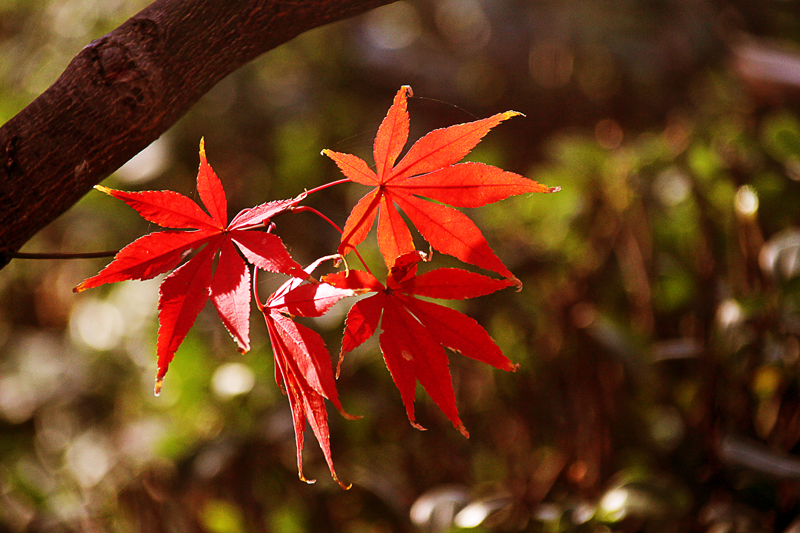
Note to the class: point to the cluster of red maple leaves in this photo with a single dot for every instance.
(412, 332)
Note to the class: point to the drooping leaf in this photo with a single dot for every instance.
(428, 170)
(302, 362)
(183, 293)
(413, 332)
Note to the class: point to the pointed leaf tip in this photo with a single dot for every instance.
(202, 146)
(554, 189)
(344, 413)
(409, 92)
(461, 429)
(304, 480)
(103, 189)
(344, 486)
(509, 114)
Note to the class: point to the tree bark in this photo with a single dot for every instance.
(125, 89)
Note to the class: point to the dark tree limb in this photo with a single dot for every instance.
(122, 91)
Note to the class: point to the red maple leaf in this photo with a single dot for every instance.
(428, 170)
(185, 291)
(302, 362)
(413, 332)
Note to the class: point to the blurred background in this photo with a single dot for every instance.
(658, 331)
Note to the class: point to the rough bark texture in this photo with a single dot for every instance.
(125, 89)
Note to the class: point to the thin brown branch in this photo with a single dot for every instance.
(77, 255)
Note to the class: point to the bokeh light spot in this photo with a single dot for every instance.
(233, 379)
(88, 458)
(97, 324)
(464, 24)
(551, 64)
(145, 165)
(672, 186)
(394, 26)
(746, 201)
(613, 503)
(609, 134)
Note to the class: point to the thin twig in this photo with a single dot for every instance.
(326, 185)
(301, 208)
(84, 255)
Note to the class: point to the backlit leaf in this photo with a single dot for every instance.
(184, 292)
(413, 332)
(428, 170)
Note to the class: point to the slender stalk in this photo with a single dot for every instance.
(325, 186)
(255, 290)
(82, 255)
(332, 223)
(302, 208)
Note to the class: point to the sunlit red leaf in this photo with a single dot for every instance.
(355, 168)
(184, 292)
(405, 267)
(428, 170)
(413, 332)
(303, 364)
(310, 299)
(361, 324)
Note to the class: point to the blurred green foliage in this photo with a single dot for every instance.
(657, 332)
